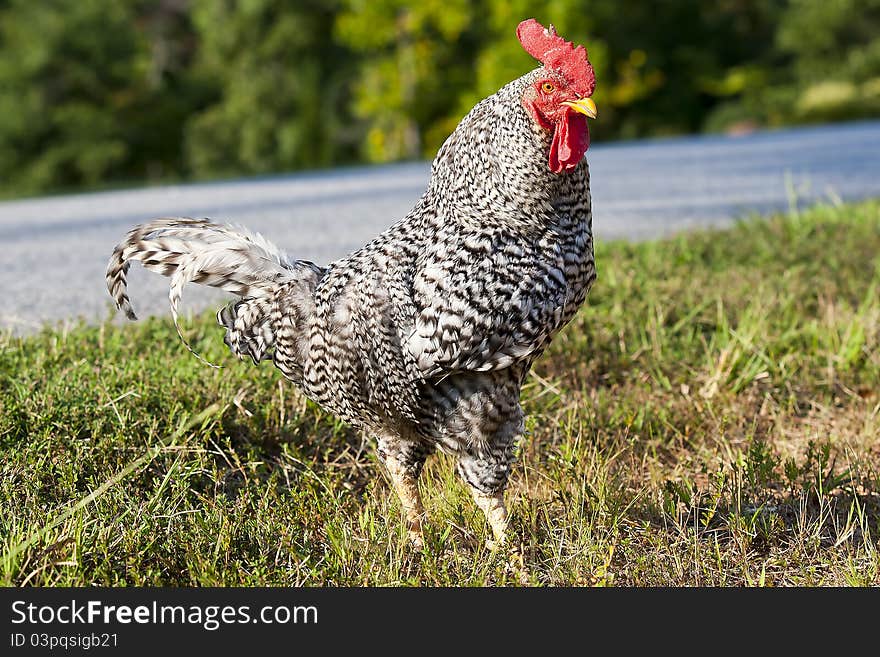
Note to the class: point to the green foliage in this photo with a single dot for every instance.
(70, 77)
(103, 91)
(89, 91)
(411, 56)
(836, 53)
(281, 85)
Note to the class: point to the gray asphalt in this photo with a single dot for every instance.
(53, 250)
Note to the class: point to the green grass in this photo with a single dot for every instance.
(711, 417)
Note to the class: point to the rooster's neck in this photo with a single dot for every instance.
(494, 168)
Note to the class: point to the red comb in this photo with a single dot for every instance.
(556, 53)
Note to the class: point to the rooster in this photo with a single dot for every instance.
(423, 337)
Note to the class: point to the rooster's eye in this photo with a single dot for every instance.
(548, 88)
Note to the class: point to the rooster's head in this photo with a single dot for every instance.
(559, 98)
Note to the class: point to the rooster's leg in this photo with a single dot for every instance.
(404, 461)
(492, 505)
(485, 471)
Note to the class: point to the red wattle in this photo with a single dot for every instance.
(571, 139)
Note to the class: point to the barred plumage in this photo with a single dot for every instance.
(424, 336)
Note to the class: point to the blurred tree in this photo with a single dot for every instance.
(413, 60)
(501, 58)
(66, 84)
(661, 67)
(670, 63)
(282, 88)
(835, 49)
(108, 90)
(175, 92)
(83, 97)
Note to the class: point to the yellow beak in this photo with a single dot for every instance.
(584, 106)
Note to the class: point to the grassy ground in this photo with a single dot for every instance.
(712, 417)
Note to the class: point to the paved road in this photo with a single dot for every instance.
(54, 250)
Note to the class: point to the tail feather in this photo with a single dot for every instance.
(225, 257)
(249, 330)
(232, 259)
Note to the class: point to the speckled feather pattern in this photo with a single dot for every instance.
(424, 336)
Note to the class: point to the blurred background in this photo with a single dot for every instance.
(111, 93)
(261, 112)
